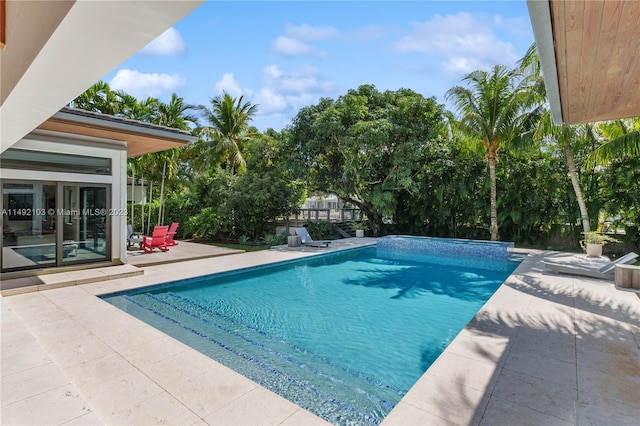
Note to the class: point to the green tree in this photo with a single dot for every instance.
(546, 130)
(622, 139)
(266, 191)
(227, 132)
(365, 146)
(99, 98)
(490, 111)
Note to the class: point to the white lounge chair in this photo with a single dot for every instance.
(306, 239)
(604, 272)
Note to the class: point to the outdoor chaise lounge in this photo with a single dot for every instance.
(605, 272)
(306, 239)
(157, 240)
(171, 234)
(132, 237)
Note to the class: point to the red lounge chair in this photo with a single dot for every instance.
(171, 234)
(157, 240)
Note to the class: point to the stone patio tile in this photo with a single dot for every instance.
(613, 357)
(99, 317)
(67, 297)
(156, 410)
(12, 332)
(77, 351)
(62, 330)
(495, 323)
(23, 357)
(549, 398)
(58, 278)
(176, 369)
(99, 370)
(89, 419)
(620, 384)
(558, 319)
(542, 367)
(596, 410)
(48, 408)
(25, 384)
(501, 412)
(259, 406)
(487, 348)
(120, 394)
(127, 337)
(153, 351)
(594, 330)
(105, 287)
(551, 343)
(465, 371)
(32, 306)
(446, 399)
(211, 391)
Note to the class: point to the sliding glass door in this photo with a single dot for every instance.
(54, 224)
(28, 225)
(85, 225)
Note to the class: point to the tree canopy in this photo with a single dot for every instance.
(365, 146)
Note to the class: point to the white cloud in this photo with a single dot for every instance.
(143, 85)
(370, 32)
(305, 79)
(270, 102)
(288, 46)
(519, 26)
(168, 43)
(308, 33)
(465, 41)
(229, 84)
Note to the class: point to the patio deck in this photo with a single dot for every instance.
(545, 349)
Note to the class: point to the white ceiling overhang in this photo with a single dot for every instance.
(85, 40)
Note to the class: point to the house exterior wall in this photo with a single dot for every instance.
(116, 180)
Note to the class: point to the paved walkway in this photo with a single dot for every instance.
(545, 349)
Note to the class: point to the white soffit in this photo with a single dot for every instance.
(93, 38)
(540, 16)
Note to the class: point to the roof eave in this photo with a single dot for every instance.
(540, 15)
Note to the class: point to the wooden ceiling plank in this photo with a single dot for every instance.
(592, 34)
(627, 104)
(573, 14)
(606, 85)
(573, 53)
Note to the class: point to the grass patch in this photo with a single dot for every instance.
(239, 246)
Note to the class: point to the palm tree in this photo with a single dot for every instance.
(490, 109)
(228, 131)
(546, 130)
(98, 98)
(622, 139)
(176, 114)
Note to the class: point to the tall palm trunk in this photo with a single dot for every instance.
(494, 208)
(571, 165)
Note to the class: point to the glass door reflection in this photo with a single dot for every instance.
(84, 220)
(28, 225)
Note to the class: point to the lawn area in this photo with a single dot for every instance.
(239, 246)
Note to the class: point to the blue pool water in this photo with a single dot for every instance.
(344, 335)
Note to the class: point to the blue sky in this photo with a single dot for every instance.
(287, 55)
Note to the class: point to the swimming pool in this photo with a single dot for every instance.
(343, 335)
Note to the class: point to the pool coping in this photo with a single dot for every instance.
(120, 370)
